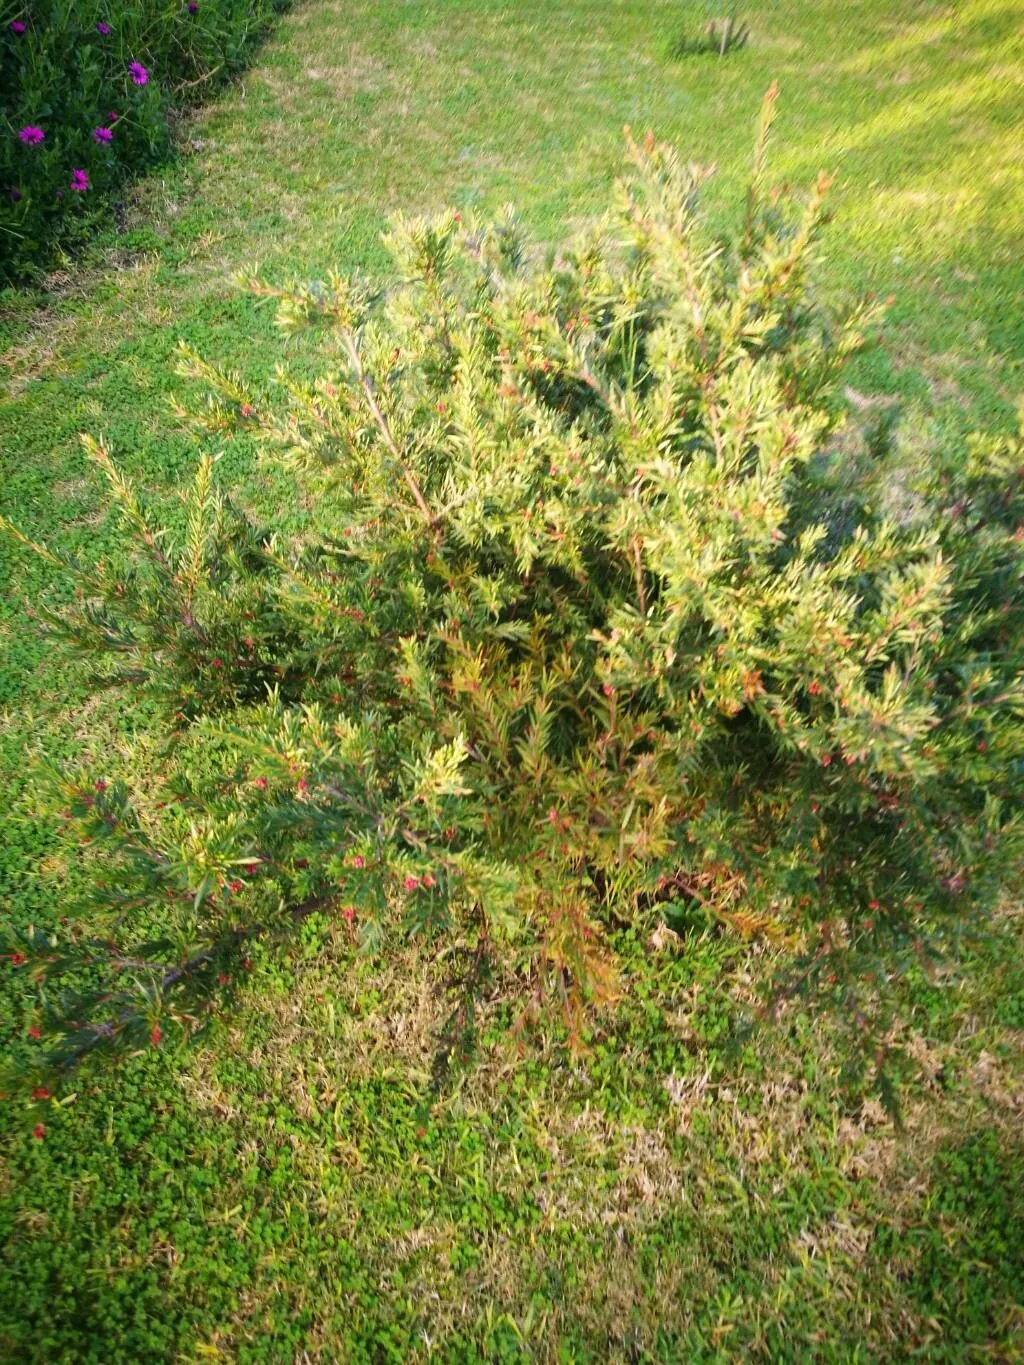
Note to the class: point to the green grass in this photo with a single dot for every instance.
(296, 1189)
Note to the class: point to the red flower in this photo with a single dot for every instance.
(429, 880)
(218, 663)
(826, 760)
(39, 1132)
(235, 886)
(873, 905)
(17, 959)
(349, 913)
(251, 869)
(607, 689)
(814, 688)
(156, 1033)
(261, 782)
(40, 1093)
(246, 410)
(33, 1031)
(222, 980)
(411, 883)
(303, 785)
(357, 861)
(101, 786)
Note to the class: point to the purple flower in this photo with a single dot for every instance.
(138, 73)
(15, 194)
(102, 134)
(79, 181)
(103, 28)
(16, 26)
(192, 7)
(31, 135)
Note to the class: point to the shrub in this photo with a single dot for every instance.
(593, 622)
(85, 92)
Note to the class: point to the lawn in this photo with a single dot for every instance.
(298, 1187)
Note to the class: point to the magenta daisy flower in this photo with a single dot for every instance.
(102, 134)
(103, 28)
(16, 26)
(192, 7)
(31, 135)
(138, 73)
(79, 181)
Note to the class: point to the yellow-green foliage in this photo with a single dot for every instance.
(596, 622)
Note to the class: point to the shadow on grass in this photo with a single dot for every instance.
(961, 1256)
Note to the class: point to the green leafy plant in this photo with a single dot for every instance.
(85, 91)
(591, 622)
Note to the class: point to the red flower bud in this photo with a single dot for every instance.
(33, 1031)
(156, 1033)
(17, 959)
(873, 905)
(39, 1132)
(261, 782)
(101, 786)
(357, 861)
(235, 886)
(40, 1093)
(411, 883)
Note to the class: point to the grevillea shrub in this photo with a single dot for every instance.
(591, 623)
(85, 90)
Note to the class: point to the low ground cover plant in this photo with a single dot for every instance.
(86, 91)
(596, 621)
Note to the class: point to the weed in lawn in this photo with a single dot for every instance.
(720, 36)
